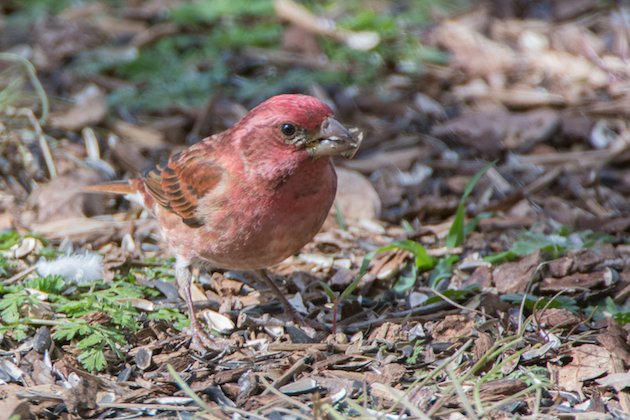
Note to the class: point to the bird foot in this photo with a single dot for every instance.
(202, 342)
(291, 311)
(303, 321)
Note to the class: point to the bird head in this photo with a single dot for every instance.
(305, 124)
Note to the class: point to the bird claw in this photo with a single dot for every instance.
(303, 321)
(202, 342)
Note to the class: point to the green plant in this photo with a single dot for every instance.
(95, 318)
(442, 268)
(422, 261)
(553, 244)
(186, 68)
(8, 238)
(621, 314)
(6, 266)
(93, 341)
(174, 317)
(531, 301)
(458, 231)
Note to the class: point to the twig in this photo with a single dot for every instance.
(283, 396)
(423, 310)
(144, 407)
(297, 368)
(452, 302)
(19, 275)
(336, 348)
(427, 312)
(532, 188)
(444, 251)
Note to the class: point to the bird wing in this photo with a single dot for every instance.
(185, 179)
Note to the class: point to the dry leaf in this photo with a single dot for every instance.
(619, 381)
(453, 327)
(356, 197)
(513, 277)
(90, 107)
(557, 318)
(589, 362)
(143, 137)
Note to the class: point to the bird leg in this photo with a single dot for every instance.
(201, 341)
(297, 317)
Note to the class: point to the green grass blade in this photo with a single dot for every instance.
(455, 235)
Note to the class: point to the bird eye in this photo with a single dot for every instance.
(287, 129)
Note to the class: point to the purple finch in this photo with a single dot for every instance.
(250, 196)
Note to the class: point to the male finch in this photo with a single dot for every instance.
(250, 196)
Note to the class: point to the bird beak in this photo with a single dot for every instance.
(335, 139)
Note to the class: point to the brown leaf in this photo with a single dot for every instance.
(12, 406)
(390, 374)
(401, 159)
(493, 130)
(556, 317)
(62, 198)
(78, 228)
(388, 332)
(225, 286)
(127, 154)
(527, 129)
(483, 131)
(578, 281)
(482, 345)
(476, 54)
(90, 107)
(513, 277)
(356, 197)
(7, 221)
(453, 327)
(143, 137)
(501, 388)
(560, 267)
(615, 340)
(81, 398)
(493, 305)
(587, 259)
(589, 362)
(482, 276)
(618, 381)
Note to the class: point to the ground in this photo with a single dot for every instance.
(474, 265)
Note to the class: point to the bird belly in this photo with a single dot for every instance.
(256, 231)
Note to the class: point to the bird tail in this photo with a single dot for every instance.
(116, 187)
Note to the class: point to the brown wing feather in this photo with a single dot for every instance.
(180, 185)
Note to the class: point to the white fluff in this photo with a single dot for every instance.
(78, 268)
